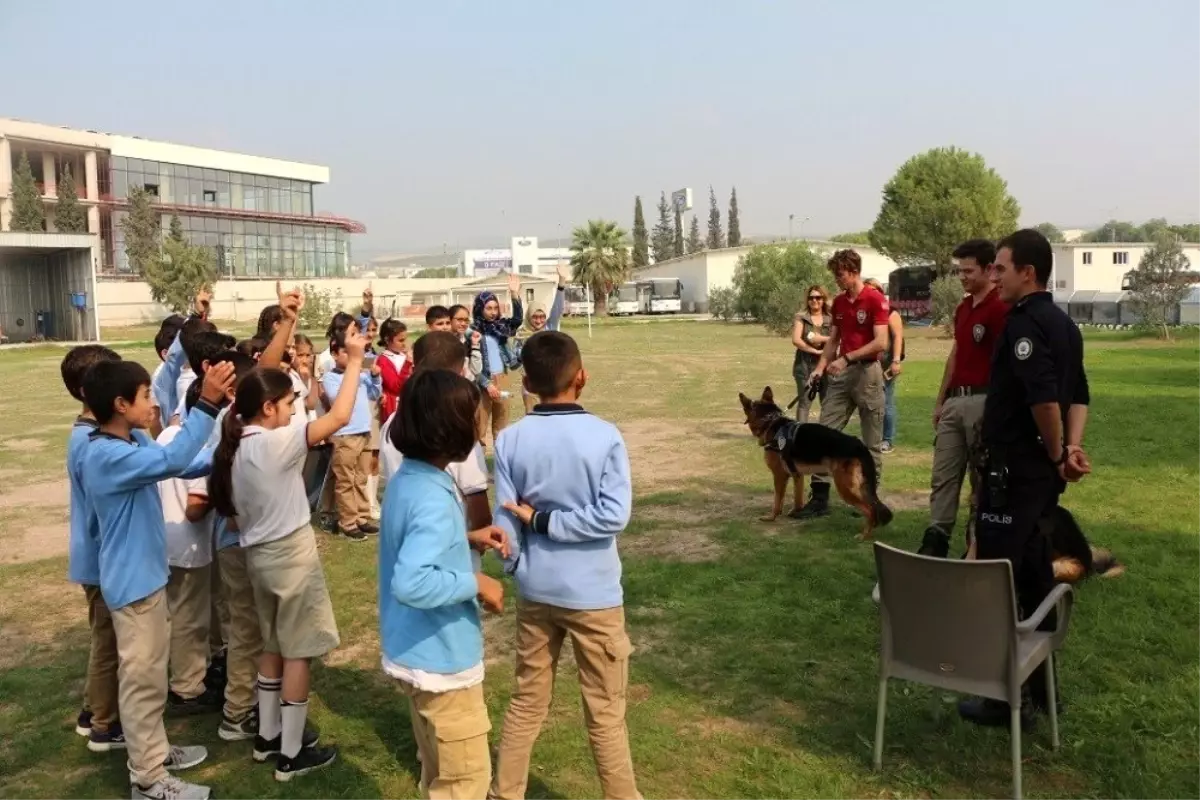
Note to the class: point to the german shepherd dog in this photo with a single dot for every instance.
(792, 451)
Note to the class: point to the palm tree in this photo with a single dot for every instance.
(600, 259)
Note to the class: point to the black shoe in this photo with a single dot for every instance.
(206, 701)
(994, 713)
(327, 523)
(936, 543)
(817, 505)
(215, 677)
(307, 760)
(370, 529)
(83, 723)
(265, 748)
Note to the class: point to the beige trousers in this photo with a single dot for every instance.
(351, 466)
(245, 637)
(451, 730)
(858, 387)
(957, 439)
(101, 693)
(143, 642)
(189, 602)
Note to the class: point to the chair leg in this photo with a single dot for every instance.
(880, 716)
(1016, 749)
(1052, 696)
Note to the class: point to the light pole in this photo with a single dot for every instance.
(790, 218)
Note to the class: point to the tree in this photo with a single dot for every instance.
(937, 200)
(945, 293)
(180, 270)
(858, 237)
(735, 228)
(722, 303)
(1161, 281)
(694, 243)
(1050, 231)
(319, 306)
(716, 237)
(1187, 233)
(142, 230)
(1115, 231)
(771, 282)
(677, 239)
(28, 215)
(600, 259)
(69, 216)
(662, 240)
(641, 251)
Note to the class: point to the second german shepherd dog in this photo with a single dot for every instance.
(793, 450)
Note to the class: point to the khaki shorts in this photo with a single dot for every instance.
(373, 443)
(293, 604)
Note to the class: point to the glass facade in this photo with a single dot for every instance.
(243, 247)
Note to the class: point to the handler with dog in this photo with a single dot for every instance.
(1032, 433)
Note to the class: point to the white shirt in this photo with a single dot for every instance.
(299, 409)
(189, 544)
(268, 483)
(435, 682)
(186, 379)
(470, 475)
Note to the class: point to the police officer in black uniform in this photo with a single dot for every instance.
(1033, 422)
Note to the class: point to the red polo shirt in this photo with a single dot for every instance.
(976, 328)
(856, 319)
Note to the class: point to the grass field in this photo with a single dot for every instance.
(755, 666)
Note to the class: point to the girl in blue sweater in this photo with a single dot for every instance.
(429, 592)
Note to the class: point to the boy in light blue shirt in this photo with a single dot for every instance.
(120, 473)
(351, 461)
(563, 495)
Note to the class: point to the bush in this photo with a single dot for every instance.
(770, 282)
(722, 303)
(319, 307)
(945, 294)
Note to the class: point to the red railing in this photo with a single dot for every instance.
(345, 223)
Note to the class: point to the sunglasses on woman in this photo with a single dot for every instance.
(812, 297)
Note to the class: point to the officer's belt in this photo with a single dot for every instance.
(965, 391)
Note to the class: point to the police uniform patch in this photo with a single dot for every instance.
(1022, 349)
(861, 316)
(977, 333)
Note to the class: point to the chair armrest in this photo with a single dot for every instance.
(1063, 598)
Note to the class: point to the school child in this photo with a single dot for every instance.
(437, 318)
(257, 480)
(200, 346)
(460, 325)
(302, 376)
(99, 720)
(351, 454)
(327, 517)
(429, 629)
(497, 360)
(165, 382)
(395, 367)
(168, 331)
(563, 494)
(372, 487)
(121, 469)
(538, 321)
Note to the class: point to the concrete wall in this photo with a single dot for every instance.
(1071, 274)
(37, 282)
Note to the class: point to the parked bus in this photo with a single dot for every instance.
(666, 295)
(577, 302)
(629, 298)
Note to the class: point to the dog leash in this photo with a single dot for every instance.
(813, 391)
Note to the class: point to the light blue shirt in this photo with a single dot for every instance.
(120, 480)
(573, 468)
(554, 318)
(164, 385)
(83, 547)
(370, 388)
(428, 616)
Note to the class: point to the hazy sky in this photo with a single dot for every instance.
(462, 122)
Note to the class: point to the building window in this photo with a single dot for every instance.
(1121, 257)
(1087, 257)
(1060, 285)
(152, 188)
(210, 195)
(525, 269)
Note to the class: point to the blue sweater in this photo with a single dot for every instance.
(164, 387)
(120, 479)
(428, 617)
(83, 548)
(573, 469)
(369, 389)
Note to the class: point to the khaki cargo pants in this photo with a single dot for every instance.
(859, 386)
(492, 414)
(351, 464)
(189, 601)
(956, 442)
(451, 730)
(602, 651)
(100, 691)
(143, 643)
(245, 637)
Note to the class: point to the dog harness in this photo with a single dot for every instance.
(780, 437)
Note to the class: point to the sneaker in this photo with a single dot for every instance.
(327, 523)
(265, 748)
(935, 542)
(239, 730)
(353, 534)
(307, 760)
(886, 447)
(370, 529)
(171, 788)
(178, 758)
(83, 723)
(104, 741)
(208, 700)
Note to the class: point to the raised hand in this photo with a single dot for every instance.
(203, 301)
(563, 276)
(514, 285)
(217, 381)
(356, 342)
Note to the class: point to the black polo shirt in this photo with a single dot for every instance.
(1038, 359)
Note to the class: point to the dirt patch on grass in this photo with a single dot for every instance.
(689, 546)
(663, 454)
(22, 444)
(905, 500)
(35, 617)
(54, 494)
(25, 543)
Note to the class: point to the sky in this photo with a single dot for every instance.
(453, 123)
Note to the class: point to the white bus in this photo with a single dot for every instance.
(629, 298)
(666, 295)
(577, 303)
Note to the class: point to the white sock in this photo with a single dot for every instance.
(373, 491)
(294, 715)
(268, 706)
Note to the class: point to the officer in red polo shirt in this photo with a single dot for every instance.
(858, 337)
(978, 321)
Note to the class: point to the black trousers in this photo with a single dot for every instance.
(1010, 531)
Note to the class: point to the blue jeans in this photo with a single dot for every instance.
(889, 410)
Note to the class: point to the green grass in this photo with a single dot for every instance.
(755, 668)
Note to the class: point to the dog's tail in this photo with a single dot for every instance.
(1105, 564)
(883, 515)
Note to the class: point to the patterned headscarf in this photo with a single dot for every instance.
(498, 328)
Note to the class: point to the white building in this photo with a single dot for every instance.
(1102, 266)
(524, 255)
(702, 272)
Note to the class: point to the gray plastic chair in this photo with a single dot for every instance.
(953, 625)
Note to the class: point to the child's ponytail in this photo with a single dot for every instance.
(220, 480)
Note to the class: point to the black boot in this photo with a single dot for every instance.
(936, 542)
(818, 503)
(996, 713)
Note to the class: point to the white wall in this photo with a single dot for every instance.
(1071, 274)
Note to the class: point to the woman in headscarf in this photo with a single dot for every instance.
(495, 333)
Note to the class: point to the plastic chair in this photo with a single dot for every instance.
(953, 625)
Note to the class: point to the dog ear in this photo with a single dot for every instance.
(746, 404)
(768, 395)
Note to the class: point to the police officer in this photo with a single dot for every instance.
(1033, 420)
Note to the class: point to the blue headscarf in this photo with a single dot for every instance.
(498, 328)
